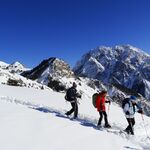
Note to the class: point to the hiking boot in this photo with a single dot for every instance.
(127, 131)
(99, 126)
(75, 117)
(66, 114)
(107, 126)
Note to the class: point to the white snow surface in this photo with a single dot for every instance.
(3, 64)
(17, 67)
(5, 75)
(33, 119)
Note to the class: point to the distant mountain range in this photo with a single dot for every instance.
(120, 65)
(10, 75)
(15, 67)
(121, 70)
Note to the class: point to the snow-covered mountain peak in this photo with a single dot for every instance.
(130, 48)
(16, 67)
(3, 65)
(49, 68)
(17, 64)
(122, 64)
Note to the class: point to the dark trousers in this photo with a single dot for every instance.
(73, 109)
(103, 113)
(131, 122)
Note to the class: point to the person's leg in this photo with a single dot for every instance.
(105, 117)
(129, 128)
(71, 110)
(75, 110)
(100, 119)
(132, 120)
(106, 120)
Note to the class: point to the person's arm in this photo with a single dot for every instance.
(126, 109)
(139, 109)
(76, 94)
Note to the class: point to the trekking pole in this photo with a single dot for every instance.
(108, 109)
(145, 127)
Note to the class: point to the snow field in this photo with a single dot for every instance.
(34, 119)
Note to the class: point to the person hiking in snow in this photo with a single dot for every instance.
(129, 108)
(71, 96)
(100, 105)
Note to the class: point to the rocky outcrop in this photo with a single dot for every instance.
(123, 65)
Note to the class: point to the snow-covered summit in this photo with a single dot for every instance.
(8, 78)
(49, 68)
(124, 65)
(3, 65)
(16, 67)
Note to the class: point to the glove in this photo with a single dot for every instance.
(140, 111)
(108, 102)
(78, 95)
(127, 113)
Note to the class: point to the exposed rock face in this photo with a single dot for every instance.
(52, 68)
(123, 65)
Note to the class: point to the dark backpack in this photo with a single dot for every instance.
(70, 94)
(125, 101)
(94, 98)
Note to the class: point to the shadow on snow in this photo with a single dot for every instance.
(83, 122)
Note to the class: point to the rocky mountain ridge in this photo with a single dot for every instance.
(120, 65)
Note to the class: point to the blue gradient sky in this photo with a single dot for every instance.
(33, 30)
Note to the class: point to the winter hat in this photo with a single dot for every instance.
(103, 92)
(133, 98)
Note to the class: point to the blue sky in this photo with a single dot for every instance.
(33, 30)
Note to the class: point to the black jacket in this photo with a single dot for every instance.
(72, 94)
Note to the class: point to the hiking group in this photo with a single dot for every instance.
(129, 106)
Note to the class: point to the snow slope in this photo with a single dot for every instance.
(5, 75)
(33, 119)
(3, 65)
